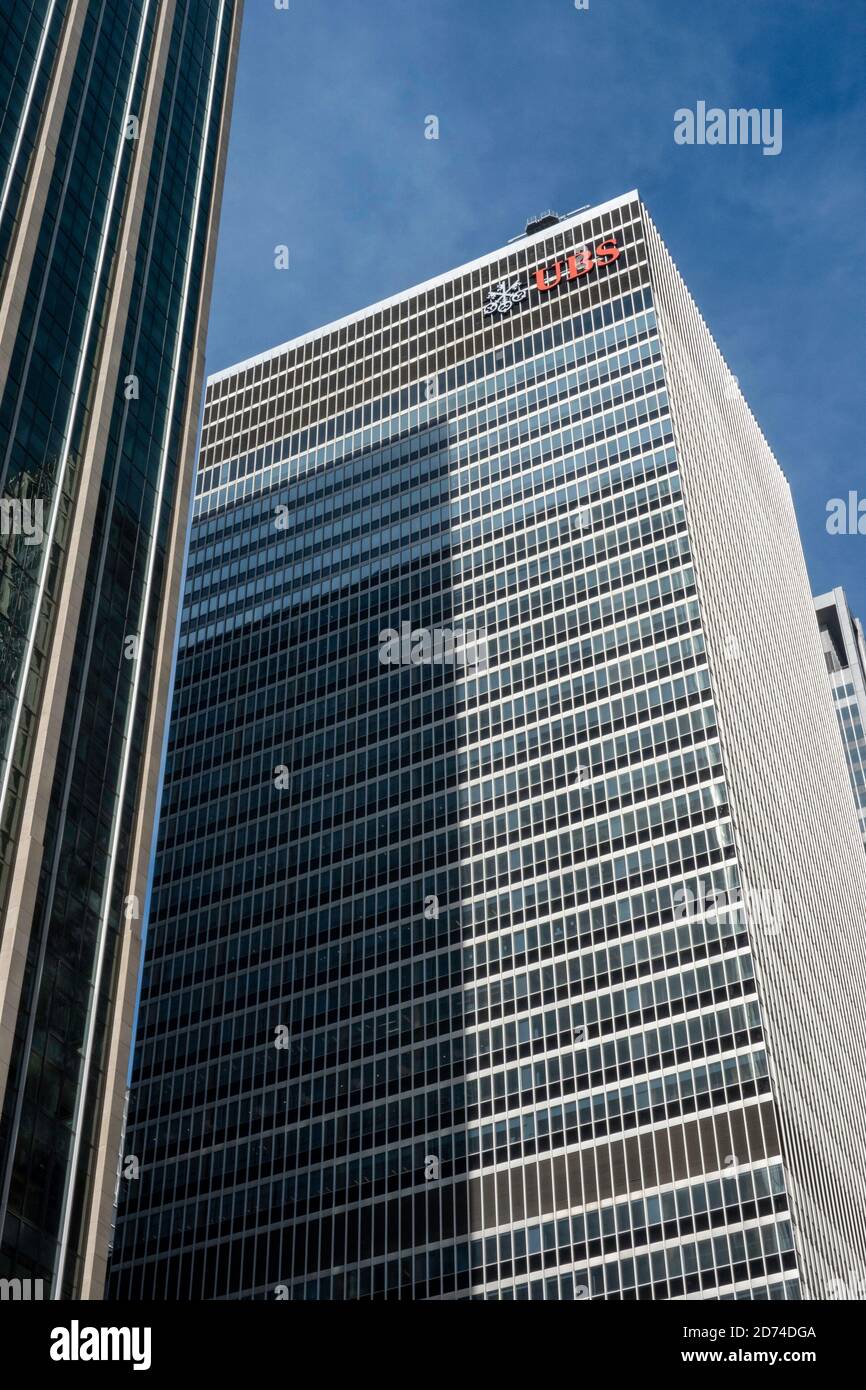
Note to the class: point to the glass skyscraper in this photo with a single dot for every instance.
(113, 130)
(494, 950)
(844, 644)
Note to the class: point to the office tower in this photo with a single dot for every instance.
(844, 646)
(506, 934)
(113, 130)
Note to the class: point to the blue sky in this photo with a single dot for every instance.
(541, 105)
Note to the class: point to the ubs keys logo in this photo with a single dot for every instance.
(578, 263)
(503, 297)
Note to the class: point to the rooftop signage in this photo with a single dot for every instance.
(502, 297)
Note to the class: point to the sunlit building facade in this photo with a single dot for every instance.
(491, 901)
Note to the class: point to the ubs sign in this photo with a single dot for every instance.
(502, 297)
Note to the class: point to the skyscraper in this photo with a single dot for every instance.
(113, 130)
(506, 933)
(844, 646)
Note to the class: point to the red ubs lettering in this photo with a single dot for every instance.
(577, 264)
